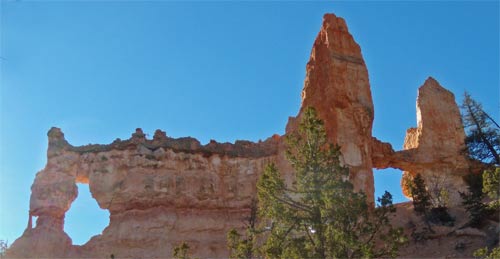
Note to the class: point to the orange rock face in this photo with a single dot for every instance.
(337, 86)
(165, 191)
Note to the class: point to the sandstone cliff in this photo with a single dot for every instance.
(159, 192)
(163, 191)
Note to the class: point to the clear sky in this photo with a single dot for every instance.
(212, 70)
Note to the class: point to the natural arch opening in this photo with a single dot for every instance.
(389, 179)
(33, 221)
(85, 219)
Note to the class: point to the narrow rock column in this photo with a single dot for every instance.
(438, 142)
(337, 86)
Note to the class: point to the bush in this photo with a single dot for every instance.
(181, 251)
(491, 186)
(441, 216)
(485, 254)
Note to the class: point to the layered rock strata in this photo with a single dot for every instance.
(164, 191)
(159, 193)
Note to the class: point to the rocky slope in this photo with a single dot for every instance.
(163, 191)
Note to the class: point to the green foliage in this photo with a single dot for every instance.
(438, 190)
(473, 200)
(181, 251)
(320, 215)
(240, 247)
(432, 204)
(482, 132)
(479, 186)
(491, 186)
(483, 253)
(243, 247)
(421, 198)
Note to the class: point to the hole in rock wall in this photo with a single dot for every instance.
(85, 219)
(389, 180)
(33, 221)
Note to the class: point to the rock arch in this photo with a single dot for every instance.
(162, 191)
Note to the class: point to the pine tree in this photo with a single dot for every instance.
(483, 133)
(420, 196)
(472, 200)
(320, 215)
(491, 188)
(491, 183)
(243, 246)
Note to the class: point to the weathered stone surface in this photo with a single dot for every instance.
(159, 193)
(435, 147)
(438, 139)
(163, 191)
(439, 135)
(337, 86)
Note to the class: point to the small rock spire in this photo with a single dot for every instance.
(138, 136)
(57, 142)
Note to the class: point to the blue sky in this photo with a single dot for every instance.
(211, 70)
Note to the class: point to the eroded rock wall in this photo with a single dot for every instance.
(159, 193)
(164, 191)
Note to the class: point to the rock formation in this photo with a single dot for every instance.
(438, 141)
(159, 193)
(337, 86)
(164, 191)
(435, 147)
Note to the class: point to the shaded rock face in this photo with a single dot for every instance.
(163, 191)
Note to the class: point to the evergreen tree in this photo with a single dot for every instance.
(432, 204)
(320, 215)
(244, 246)
(491, 188)
(481, 186)
(473, 200)
(491, 183)
(482, 132)
(420, 196)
